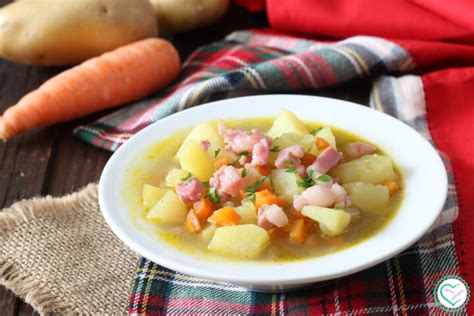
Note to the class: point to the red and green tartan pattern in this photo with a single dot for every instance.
(252, 63)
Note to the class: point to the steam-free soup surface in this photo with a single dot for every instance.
(262, 189)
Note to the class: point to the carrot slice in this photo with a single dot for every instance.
(192, 223)
(203, 209)
(392, 186)
(307, 159)
(222, 160)
(321, 143)
(125, 74)
(226, 216)
(264, 170)
(265, 197)
(266, 185)
(297, 233)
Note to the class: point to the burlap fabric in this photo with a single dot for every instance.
(59, 255)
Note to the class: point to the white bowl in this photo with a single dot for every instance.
(425, 185)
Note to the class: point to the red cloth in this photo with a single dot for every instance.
(439, 35)
(427, 19)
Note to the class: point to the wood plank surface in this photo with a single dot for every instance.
(52, 161)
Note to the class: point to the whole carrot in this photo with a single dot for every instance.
(122, 75)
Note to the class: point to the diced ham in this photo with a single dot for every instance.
(289, 157)
(271, 216)
(240, 140)
(326, 160)
(205, 145)
(189, 190)
(316, 196)
(358, 149)
(252, 175)
(261, 153)
(341, 195)
(227, 181)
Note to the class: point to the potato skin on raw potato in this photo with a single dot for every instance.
(65, 32)
(183, 15)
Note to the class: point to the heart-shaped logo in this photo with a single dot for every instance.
(451, 293)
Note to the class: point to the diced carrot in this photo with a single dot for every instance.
(192, 223)
(222, 160)
(321, 143)
(264, 170)
(308, 159)
(297, 233)
(265, 197)
(226, 216)
(266, 185)
(392, 186)
(203, 209)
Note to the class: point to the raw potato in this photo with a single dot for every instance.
(247, 213)
(169, 210)
(331, 222)
(203, 131)
(59, 32)
(151, 195)
(175, 16)
(196, 161)
(174, 176)
(369, 168)
(285, 184)
(286, 122)
(367, 196)
(242, 241)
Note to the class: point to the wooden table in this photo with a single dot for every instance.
(51, 161)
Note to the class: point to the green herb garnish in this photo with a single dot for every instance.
(216, 152)
(206, 183)
(288, 161)
(188, 176)
(250, 191)
(243, 173)
(307, 181)
(242, 154)
(324, 178)
(291, 170)
(314, 131)
(213, 196)
(275, 149)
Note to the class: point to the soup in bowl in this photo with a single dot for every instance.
(226, 189)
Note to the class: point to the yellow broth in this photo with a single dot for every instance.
(152, 166)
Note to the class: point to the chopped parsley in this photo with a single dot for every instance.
(324, 178)
(275, 149)
(206, 183)
(288, 161)
(307, 181)
(187, 177)
(250, 191)
(314, 131)
(216, 152)
(213, 196)
(291, 170)
(242, 154)
(243, 173)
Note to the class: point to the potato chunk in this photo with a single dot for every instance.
(206, 234)
(286, 122)
(369, 168)
(247, 213)
(196, 161)
(367, 196)
(326, 134)
(242, 241)
(151, 195)
(174, 176)
(203, 131)
(331, 222)
(288, 139)
(168, 210)
(285, 184)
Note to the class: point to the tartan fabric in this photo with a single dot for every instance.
(250, 63)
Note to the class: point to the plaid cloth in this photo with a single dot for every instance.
(250, 63)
